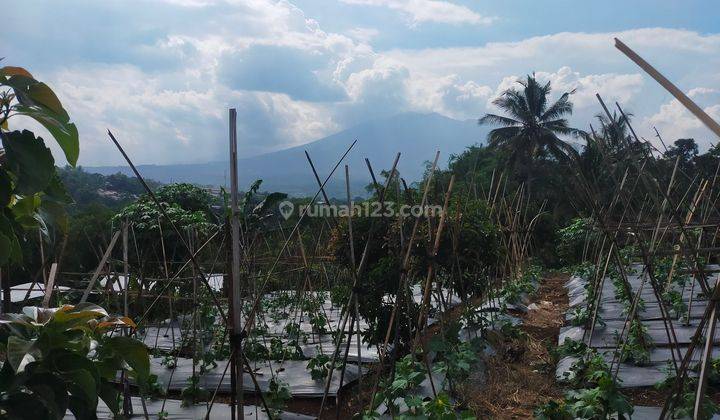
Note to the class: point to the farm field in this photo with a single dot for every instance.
(353, 210)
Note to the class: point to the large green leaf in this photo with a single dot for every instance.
(74, 316)
(65, 133)
(18, 352)
(110, 396)
(5, 188)
(13, 252)
(29, 160)
(84, 389)
(54, 214)
(50, 390)
(56, 191)
(135, 354)
(5, 249)
(24, 405)
(39, 102)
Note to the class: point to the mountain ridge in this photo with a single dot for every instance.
(417, 136)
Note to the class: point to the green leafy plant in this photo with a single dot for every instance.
(571, 347)
(584, 270)
(581, 316)
(597, 395)
(169, 361)
(277, 396)
(319, 366)
(285, 351)
(674, 299)
(686, 407)
(255, 350)
(319, 322)
(636, 348)
(61, 359)
(553, 410)
(600, 402)
(193, 392)
(454, 358)
(572, 238)
(409, 374)
(31, 193)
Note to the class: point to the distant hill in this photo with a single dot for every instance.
(89, 189)
(416, 136)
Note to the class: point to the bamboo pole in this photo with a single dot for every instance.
(236, 287)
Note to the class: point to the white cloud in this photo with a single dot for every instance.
(421, 11)
(674, 121)
(449, 95)
(362, 34)
(611, 87)
(160, 125)
(584, 52)
(166, 91)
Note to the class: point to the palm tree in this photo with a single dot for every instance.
(614, 131)
(531, 128)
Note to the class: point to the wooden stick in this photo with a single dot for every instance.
(100, 266)
(236, 287)
(49, 286)
(670, 87)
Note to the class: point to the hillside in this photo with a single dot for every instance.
(418, 136)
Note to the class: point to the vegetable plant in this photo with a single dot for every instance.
(62, 359)
(319, 366)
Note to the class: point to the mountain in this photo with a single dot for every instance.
(416, 136)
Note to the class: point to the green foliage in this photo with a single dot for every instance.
(553, 410)
(584, 270)
(571, 347)
(581, 316)
(474, 248)
(572, 239)
(49, 366)
(601, 402)
(145, 216)
(597, 395)
(193, 392)
(277, 396)
(89, 189)
(636, 347)
(319, 322)
(686, 407)
(36, 100)
(254, 206)
(675, 301)
(454, 357)
(31, 194)
(525, 284)
(255, 350)
(319, 366)
(285, 351)
(409, 374)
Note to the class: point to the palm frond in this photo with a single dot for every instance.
(498, 120)
(501, 137)
(561, 107)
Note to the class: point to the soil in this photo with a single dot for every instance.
(521, 375)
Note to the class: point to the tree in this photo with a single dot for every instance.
(531, 128)
(614, 131)
(685, 149)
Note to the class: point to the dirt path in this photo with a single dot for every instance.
(522, 375)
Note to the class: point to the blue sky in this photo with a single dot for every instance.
(162, 73)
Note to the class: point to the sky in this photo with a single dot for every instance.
(161, 74)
